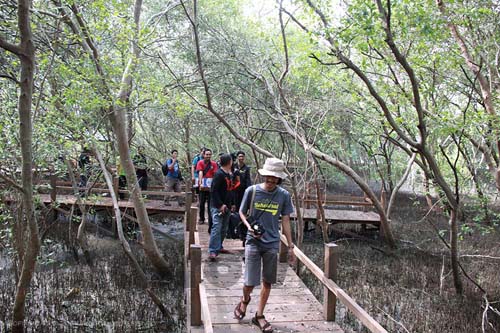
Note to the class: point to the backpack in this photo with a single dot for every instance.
(164, 168)
(233, 231)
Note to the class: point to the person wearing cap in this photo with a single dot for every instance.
(269, 201)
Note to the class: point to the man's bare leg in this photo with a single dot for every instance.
(247, 291)
(264, 296)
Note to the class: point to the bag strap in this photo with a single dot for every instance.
(254, 189)
(207, 168)
(251, 200)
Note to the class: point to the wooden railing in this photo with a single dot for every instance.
(311, 200)
(200, 313)
(332, 290)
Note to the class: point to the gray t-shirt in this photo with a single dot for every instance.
(268, 207)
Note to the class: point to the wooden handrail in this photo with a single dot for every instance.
(105, 190)
(342, 296)
(340, 202)
(205, 310)
(200, 311)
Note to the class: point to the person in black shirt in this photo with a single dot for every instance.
(141, 168)
(84, 164)
(243, 171)
(220, 204)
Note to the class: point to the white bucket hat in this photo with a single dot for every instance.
(273, 167)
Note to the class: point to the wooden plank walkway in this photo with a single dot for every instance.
(341, 216)
(291, 307)
(152, 206)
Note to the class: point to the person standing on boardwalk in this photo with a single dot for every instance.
(85, 166)
(194, 173)
(173, 177)
(220, 203)
(266, 202)
(122, 178)
(141, 168)
(206, 169)
(243, 171)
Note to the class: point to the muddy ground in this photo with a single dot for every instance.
(71, 296)
(410, 289)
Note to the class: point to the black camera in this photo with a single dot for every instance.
(257, 227)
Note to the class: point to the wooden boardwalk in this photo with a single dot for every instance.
(291, 307)
(334, 216)
(152, 206)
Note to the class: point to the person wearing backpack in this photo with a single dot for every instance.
(265, 203)
(206, 169)
(173, 173)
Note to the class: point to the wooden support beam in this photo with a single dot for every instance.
(195, 281)
(330, 271)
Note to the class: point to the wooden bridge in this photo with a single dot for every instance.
(214, 288)
(60, 195)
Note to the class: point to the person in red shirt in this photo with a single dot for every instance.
(206, 169)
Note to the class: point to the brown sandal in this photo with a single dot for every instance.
(266, 328)
(238, 314)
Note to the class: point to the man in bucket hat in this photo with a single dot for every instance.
(266, 202)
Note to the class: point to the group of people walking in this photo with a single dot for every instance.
(225, 188)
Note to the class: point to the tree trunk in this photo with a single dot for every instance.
(81, 236)
(26, 54)
(125, 245)
(300, 221)
(395, 190)
(321, 220)
(484, 84)
(455, 267)
(150, 249)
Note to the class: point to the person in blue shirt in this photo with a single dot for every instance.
(173, 177)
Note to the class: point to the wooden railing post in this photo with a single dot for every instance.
(53, 186)
(192, 226)
(195, 250)
(187, 217)
(330, 300)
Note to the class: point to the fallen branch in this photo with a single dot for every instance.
(480, 256)
(394, 320)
